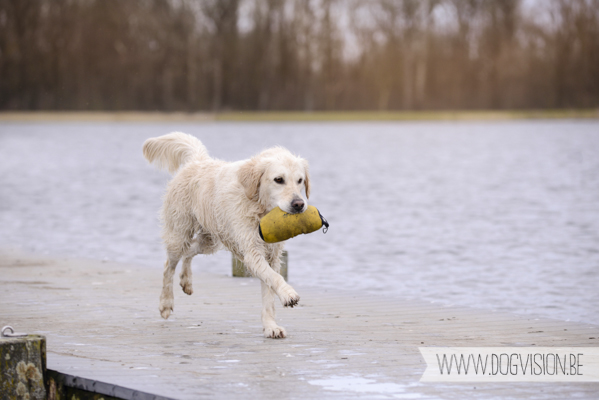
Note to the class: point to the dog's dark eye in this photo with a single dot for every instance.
(279, 180)
(300, 180)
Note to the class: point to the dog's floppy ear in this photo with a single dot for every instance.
(249, 175)
(307, 180)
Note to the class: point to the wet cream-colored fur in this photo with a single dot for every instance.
(210, 204)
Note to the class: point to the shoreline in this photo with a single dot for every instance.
(292, 116)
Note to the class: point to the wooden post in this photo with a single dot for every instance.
(23, 366)
(239, 269)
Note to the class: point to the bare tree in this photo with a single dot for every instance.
(291, 54)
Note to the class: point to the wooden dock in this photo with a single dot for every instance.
(102, 327)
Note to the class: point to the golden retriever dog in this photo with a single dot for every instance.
(210, 204)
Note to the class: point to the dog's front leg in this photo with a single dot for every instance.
(271, 329)
(256, 262)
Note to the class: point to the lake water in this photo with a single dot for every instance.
(499, 215)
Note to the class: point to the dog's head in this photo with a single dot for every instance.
(276, 178)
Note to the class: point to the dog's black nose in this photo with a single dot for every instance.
(297, 205)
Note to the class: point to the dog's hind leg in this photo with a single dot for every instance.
(202, 244)
(167, 300)
(178, 233)
(185, 277)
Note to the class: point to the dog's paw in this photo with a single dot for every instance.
(187, 288)
(275, 332)
(166, 308)
(289, 297)
(292, 301)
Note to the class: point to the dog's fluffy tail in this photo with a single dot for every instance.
(173, 150)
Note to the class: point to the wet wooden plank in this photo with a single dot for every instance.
(102, 323)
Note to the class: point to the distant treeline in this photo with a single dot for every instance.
(199, 55)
